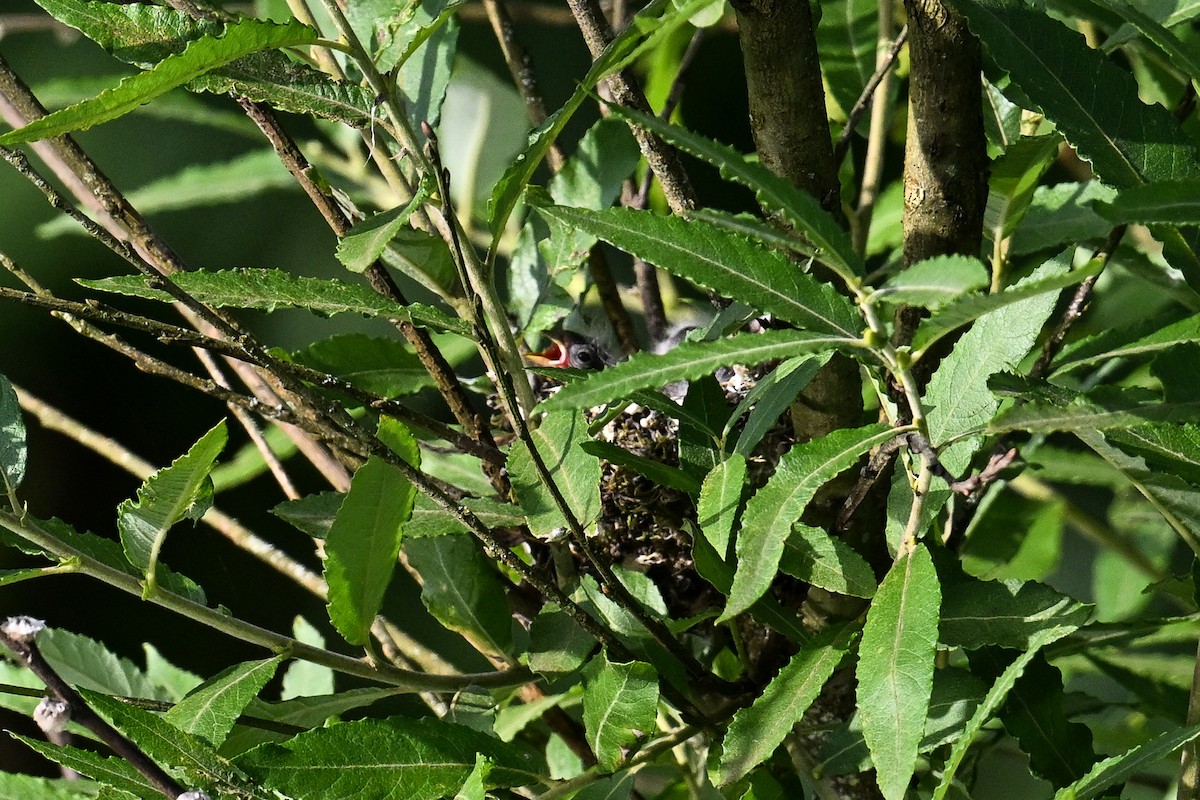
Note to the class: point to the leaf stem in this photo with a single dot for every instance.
(33, 533)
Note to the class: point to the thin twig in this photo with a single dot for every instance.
(25, 648)
(860, 106)
(881, 107)
(1078, 305)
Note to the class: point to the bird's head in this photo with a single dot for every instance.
(569, 350)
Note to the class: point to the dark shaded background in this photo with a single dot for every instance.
(159, 420)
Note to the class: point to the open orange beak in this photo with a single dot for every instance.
(556, 355)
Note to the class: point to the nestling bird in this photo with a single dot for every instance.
(570, 350)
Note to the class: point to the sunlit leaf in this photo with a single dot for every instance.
(895, 668)
(181, 491)
(620, 702)
(771, 512)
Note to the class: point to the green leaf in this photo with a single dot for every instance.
(238, 179)
(364, 243)
(88, 664)
(771, 512)
(200, 56)
(388, 759)
(895, 668)
(111, 771)
(847, 37)
(382, 366)
(973, 306)
(557, 645)
(180, 491)
(714, 259)
(615, 787)
(770, 397)
(815, 557)
(162, 741)
(958, 398)
(688, 361)
(430, 519)
(301, 712)
(1116, 344)
(934, 282)
(304, 678)
(1120, 768)
(574, 471)
(1179, 55)
(1009, 613)
(1176, 500)
(650, 26)
(1098, 411)
(1170, 203)
(14, 786)
(720, 500)
(210, 711)
(137, 33)
(1127, 142)
(1060, 750)
(984, 711)
(1014, 177)
(462, 591)
(1061, 214)
(362, 546)
(272, 289)
(662, 474)
(313, 514)
(13, 453)
(775, 194)
(1170, 448)
(620, 702)
(755, 731)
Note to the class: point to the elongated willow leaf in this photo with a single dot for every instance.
(1174, 498)
(934, 282)
(688, 361)
(180, 491)
(271, 289)
(720, 501)
(1173, 203)
(815, 557)
(364, 540)
(1166, 447)
(758, 729)
(1098, 411)
(235, 180)
(971, 307)
(13, 452)
(958, 396)
(135, 33)
(211, 710)
(144, 35)
(415, 759)
(1118, 769)
(650, 26)
(160, 740)
(771, 512)
(991, 702)
(1116, 344)
(1128, 142)
(111, 770)
(1178, 54)
(895, 668)
(201, 56)
(727, 264)
(776, 194)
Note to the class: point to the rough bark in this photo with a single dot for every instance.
(787, 98)
(945, 160)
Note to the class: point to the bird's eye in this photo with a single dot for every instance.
(584, 356)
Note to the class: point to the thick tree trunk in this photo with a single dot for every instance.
(945, 161)
(787, 98)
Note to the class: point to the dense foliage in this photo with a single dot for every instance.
(814, 529)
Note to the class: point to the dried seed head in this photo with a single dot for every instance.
(22, 629)
(52, 715)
